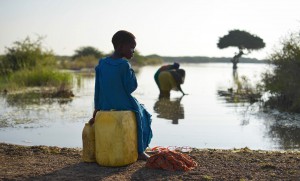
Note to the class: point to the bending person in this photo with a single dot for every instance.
(171, 80)
(174, 66)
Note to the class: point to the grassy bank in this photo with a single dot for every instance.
(26, 64)
(42, 83)
(39, 77)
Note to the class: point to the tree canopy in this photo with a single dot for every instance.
(241, 40)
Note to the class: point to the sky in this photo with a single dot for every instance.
(163, 27)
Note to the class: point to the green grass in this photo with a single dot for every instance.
(79, 63)
(38, 77)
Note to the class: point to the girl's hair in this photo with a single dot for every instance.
(181, 72)
(122, 37)
(178, 75)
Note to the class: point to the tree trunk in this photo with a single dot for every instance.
(235, 59)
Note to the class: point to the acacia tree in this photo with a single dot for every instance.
(243, 41)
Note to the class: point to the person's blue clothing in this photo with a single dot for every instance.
(114, 82)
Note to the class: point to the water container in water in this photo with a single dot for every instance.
(116, 138)
(88, 143)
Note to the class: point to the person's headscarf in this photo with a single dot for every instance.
(176, 65)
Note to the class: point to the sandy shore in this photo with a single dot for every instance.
(54, 163)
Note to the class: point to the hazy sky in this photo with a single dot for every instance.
(164, 27)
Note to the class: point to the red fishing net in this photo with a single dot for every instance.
(171, 160)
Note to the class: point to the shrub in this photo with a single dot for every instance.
(139, 60)
(27, 64)
(87, 51)
(81, 62)
(40, 77)
(283, 81)
(25, 54)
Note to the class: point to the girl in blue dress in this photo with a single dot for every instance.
(115, 81)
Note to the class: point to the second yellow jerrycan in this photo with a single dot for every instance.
(116, 138)
(88, 143)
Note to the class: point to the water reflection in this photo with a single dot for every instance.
(287, 138)
(29, 110)
(169, 109)
(33, 98)
(210, 121)
(241, 90)
(283, 128)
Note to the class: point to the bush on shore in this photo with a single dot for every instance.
(139, 60)
(283, 81)
(41, 77)
(88, 62)
(28, 64)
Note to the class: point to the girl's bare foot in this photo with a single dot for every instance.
(143, 156)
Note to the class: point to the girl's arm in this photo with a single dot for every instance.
(97, 89)
(179, 88)
(96, 96)
(130, 82)
(92, 120)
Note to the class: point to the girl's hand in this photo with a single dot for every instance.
(91, 121)
(94, 113)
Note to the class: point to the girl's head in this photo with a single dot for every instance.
(124, 43)
(181, 72)
(178, 75)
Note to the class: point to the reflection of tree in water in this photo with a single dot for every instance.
(282, 128)
(33, 98)
(28, 109)
(169, 109)
(241, 91)
(288, 138)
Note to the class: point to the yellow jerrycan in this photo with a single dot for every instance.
(88, 143)
(116, 138)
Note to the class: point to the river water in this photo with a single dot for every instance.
(200, 119)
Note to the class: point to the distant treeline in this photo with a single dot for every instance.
(185, 59)
(201, 59)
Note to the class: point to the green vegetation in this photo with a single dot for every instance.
(89, 61)
(27, 64)
(41, 77)
(242, 91)
(26, 54)
(87, 51)
(243, 41)
(139, 60)
(202, 59)
(84, 57)
(79, 63)
(283, 81)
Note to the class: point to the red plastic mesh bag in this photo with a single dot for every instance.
(171, 160)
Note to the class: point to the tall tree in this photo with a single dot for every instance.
(243, 41)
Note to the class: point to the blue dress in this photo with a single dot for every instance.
(114, 82)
